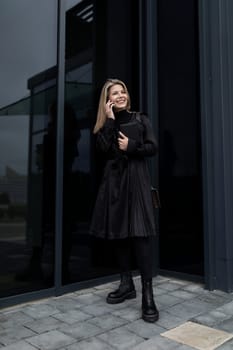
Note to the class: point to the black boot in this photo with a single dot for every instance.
(149, 309)
(126, 290)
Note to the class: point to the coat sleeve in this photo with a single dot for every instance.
(106, 137)
(149, 146)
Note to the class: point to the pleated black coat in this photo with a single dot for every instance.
(124, 205)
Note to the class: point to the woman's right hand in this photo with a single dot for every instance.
(108, 109)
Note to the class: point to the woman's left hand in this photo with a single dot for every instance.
(123, 141)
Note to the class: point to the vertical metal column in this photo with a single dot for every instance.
(206, 128)
(148, 66)
(149, 83)
(60, 142)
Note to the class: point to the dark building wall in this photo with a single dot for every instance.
(216, 63)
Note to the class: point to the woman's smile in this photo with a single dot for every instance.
(121, 101)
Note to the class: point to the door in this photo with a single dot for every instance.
(181, 231)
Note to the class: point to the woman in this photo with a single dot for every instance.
(124, 210)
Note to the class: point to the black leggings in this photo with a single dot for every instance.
(142, 248)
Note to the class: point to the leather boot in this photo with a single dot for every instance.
(149, 309)
(126, 290)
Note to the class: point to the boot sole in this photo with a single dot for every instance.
(130, 295)
(150, 318)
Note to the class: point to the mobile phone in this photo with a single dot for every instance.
(121, 137)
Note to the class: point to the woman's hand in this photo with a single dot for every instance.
(108, 109)
(123, 141)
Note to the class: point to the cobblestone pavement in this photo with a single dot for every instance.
(83, 319)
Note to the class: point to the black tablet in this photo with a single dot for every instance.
(131, 130)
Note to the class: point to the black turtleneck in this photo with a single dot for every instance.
(122, 117)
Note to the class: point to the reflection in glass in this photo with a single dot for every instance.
(77, 145)
(28, 50)
(90, 59)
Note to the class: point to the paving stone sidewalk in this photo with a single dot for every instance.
(83, 320)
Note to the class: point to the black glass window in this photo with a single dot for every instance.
(28, 35)
(93, 54)
(181, 231)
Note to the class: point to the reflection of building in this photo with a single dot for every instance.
(15, 185)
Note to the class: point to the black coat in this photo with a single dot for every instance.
(124, 205)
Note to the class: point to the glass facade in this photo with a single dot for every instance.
(28, 38)
(102, 39)
(28, 120)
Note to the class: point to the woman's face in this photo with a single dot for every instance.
(118, 96)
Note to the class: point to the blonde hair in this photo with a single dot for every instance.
(101, 114)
